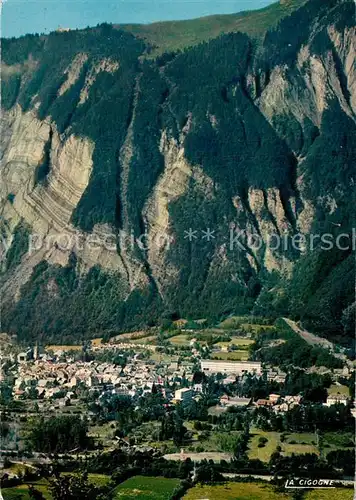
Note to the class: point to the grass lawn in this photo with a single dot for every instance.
(150, 339)
(334, 494)
(265, 452)
(102, 432)
(161, 357)
(221, 442)
(337, 440)
(22, 489)
(173, 35)
(96, 479)
(232, 356)
(338, 389)
(234, 491)
(180, 340)
(304, 443)
(146, 488)
(242, 322)
(241, 342)
(99, 479)
(232, 322)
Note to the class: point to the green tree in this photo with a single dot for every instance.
(75, 487)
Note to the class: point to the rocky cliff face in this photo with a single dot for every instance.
(121, 165)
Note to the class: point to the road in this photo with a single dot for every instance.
(344, 482)
(313, 339)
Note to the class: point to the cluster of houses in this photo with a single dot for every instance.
(52, 378)
(60, 380)
(279, 403)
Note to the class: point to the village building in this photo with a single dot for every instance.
(236, 367)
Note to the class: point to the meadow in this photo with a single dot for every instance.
(334, 494)
(22, 491)
(176, 35)
(298, 443)
(239, 355)
(146, 488)
(240, 342)
(235, 491)
(338, 389)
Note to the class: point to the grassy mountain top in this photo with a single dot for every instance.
(173, 35)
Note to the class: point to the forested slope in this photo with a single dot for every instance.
(236, 135)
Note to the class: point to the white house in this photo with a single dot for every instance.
(334, 399)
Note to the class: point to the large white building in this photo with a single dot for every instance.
(184, 395)
(334, 399)
(235, 367)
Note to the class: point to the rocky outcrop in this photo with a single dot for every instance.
(73, 72)
(107, 65)
(47, 206)
(46, 174)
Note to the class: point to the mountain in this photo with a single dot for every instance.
(141, 182)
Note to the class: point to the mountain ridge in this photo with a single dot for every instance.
(229, 135)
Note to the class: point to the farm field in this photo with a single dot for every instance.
(299, 443)
(96, 479)
(264, 453)
(243, 322)
(22, 491)
(146, 488)
(336, 440)
(338, 389)
(335, 494)
(161, 357)
(180, 340)
(150, 339)
(231, 356)
(241, 342)
(235, 491)
(64, 348)
(222, 442)
(103, 433)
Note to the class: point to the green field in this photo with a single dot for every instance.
(232, 356)
(221, 442)
(180, 340)
(335, 494)
(304, 442)
(299, 443)
(336, 440)
(21, 491)
(234, 491)
(150, 339)
(161, 357)
(173, 35)
(146, 488)
(294, 443)
(264, 453)
(339, 389)
(241, 342)
(96, 479)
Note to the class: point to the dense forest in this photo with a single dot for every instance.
(209, 99)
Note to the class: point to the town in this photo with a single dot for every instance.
(183, 392)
